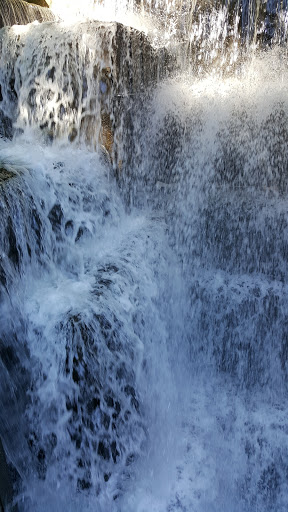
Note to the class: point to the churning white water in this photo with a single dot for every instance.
(94, 313)
(143, 291)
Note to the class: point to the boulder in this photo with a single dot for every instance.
(42, 3)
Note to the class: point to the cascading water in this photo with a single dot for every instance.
(143, 279)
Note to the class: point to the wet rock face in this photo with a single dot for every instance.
(15, 378)
(6, 489)
(6, 126)
(98, 402)
(19, 244)
(76, 91)
(102, 402)
(96, 423)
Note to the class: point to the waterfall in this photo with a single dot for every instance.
(21, 12)
(143, 257)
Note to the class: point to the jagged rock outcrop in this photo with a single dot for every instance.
(42, 3)
(18, 12)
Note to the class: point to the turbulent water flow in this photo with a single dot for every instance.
(203, 33)
(143, 270)
(80, 328)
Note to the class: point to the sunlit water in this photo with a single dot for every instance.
(143, 320)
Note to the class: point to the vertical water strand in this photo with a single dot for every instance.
(283, 21)
(255, 20)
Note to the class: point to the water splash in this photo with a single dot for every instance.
(143, 311)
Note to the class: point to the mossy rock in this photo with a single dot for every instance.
(5, 175)
(42, 3)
